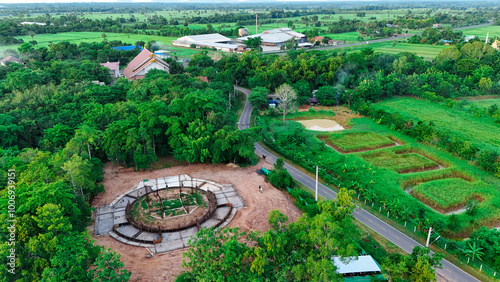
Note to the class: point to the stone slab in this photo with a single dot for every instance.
(168, 246)
(228, 189)
(209, 223)
(237, 202)
(188, 232)
(127, 230)
(221, 201)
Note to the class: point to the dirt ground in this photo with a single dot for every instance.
(167, 266)
(342, 114)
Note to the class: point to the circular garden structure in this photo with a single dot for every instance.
(171, 209)
(162, 214)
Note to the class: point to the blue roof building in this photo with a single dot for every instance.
(127, 48)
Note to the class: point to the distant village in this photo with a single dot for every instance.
(274, 40)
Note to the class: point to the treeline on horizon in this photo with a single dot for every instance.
(160, 25)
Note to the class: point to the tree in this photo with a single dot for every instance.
(254, 43)
(277, 219)
(422, 264)
(259, 97)
(473, 251)
(287, 99)
(31, 34)
(109, 268)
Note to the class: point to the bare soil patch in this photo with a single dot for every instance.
(167, 266)
(343, 115)
(321, 125)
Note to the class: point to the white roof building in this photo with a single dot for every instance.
(362, 266)
(212, 37)
(276, 37)
(213, 40)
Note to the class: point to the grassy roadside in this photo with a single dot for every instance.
(451, 258)
(467, 268)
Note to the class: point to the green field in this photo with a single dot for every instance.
(418, 162)
(399, 162)
(421, 50)
(359, 141)
(477, 129)
(448, 194)
(493, 30)
(77, 37)
(486, 103)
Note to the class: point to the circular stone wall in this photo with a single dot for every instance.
(171, 209)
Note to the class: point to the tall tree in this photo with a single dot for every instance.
(287, 99)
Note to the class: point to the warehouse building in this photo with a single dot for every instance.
(276, 37)
(213, 40)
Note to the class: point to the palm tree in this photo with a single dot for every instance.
(473, 252)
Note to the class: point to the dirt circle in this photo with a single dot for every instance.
(182, 208)
(321, 124)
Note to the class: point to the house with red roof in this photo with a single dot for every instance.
(114, 68)
(10, 59)
(143, 63)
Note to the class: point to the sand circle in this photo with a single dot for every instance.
(321, 125)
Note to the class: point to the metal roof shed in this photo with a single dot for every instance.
(362, 266)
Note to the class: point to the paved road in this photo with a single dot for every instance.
(449, 270)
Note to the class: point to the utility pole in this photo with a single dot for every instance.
(316, 183)
(428, 237)
(256, 23)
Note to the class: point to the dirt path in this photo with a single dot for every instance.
(167, 266)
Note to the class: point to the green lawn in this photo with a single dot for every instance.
(77, 37)
(486, 103)
(493, 30)
(477, 129)
(421, 50)
(450, 193)
(359, 141)
(399, 162)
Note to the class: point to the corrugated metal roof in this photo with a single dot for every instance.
(212, 37)
(278, 35)
(353, 265)
(269, 38)
(127, 48)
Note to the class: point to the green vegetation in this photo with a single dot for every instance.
(401, 162)
(286, 251)
(450, 193)
(482, 31)
(361, 171)
(44, 40)
(357, 141)
(485, 103)
(479, 130)
(172, 204)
